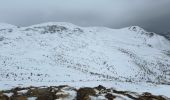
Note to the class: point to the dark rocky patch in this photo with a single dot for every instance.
(1, 38)
(84, 93)
(3, 97)
(149, 96)
(100, 87)
(109, 96)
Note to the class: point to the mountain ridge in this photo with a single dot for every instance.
(53, 52)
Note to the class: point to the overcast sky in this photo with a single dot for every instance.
(152, 15)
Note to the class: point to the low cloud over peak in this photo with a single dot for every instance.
(152, 15)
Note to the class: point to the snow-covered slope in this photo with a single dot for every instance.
(63, 52)
(7, 26)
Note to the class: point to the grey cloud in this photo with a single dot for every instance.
(153, 15)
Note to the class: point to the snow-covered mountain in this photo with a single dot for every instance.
(63, 52)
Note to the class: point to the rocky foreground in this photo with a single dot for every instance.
(70, 93)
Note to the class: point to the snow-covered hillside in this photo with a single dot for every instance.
(63, 52)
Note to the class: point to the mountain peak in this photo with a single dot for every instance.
(136, 29)
(141, 31)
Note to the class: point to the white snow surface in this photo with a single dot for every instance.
(58, 52)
